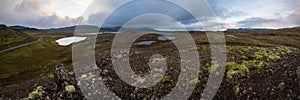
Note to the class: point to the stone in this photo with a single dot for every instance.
(281, 86)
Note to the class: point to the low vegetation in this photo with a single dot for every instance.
(10, 38)
(38, 93)
(166, 79)
(33, 60)
(194, 81)
(260, 57)
(70, 89)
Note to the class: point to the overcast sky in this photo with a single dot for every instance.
(230, 13)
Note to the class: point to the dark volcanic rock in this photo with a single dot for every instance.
(67, 87)
(62, 78)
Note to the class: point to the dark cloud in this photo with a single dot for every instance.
(157, 6)
(152, 6)
(30, 13)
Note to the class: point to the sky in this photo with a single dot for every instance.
(229, 13)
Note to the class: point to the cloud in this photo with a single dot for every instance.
(147, 6)
(31, 13)
(295, 16)
(222, 9)
(230, 13)
(256, 22)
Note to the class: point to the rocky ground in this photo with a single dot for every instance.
(279, 80)
(255, 69)
(62, 86)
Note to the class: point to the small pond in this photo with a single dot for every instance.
(69, 40)
(163, 38)
(144, 43)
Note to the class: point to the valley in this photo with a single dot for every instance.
(260, 64)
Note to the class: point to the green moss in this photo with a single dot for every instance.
(203, 48)
(194, 81)
(166, 79)
(70, 89)
(274, 57)
(51, 75)
(207, 65)
(234, 68)
(252, 64)
(157, 60)
(37, 93)
(213, 67)
(236, 90)
(157, 76)
(262, 52)
(284, 49)
(244, 57)
(245, 67)
(269, 55)
(141, 80)
(241, 52)
(71, 73)
(83, 76)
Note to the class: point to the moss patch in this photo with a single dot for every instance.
(70, 89)
(37, 93)
(166, 79)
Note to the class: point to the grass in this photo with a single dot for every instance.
(35, 59)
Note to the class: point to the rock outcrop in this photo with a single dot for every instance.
(66, 88)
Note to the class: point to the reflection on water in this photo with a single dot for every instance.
(69, 40)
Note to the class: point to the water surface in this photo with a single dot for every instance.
(144, 43)
(69, 40)
(163, 38)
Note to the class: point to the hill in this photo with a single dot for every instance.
(82, 28)
(91, 29)
(26, 30)
(249, 30)
(10, 37)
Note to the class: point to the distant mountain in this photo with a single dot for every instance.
(142, 29)
(10, 37)
(92, 29)
(248, 30)
(80, 29)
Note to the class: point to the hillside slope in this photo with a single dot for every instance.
(10, 37)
